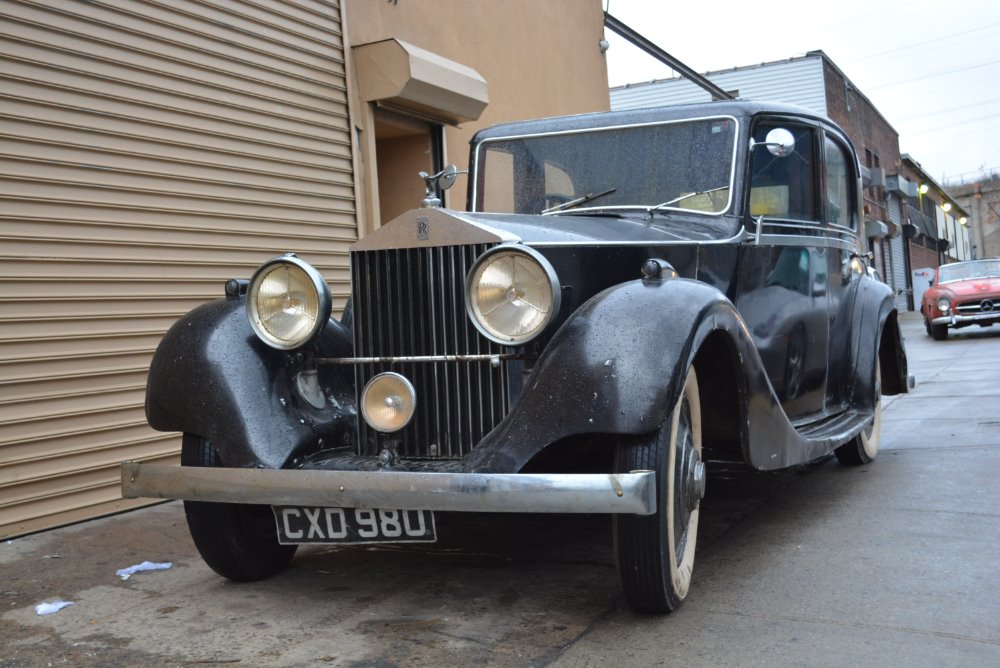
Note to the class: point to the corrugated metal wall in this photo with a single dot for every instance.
(798, 81)
(150, 150)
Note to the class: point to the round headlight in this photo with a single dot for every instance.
(944, 305)
(388, 402)
(512, 294)
(288, 302)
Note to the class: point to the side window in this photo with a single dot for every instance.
(838, 185)
(785, 186)
(499, 197)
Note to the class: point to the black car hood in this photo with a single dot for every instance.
(445, 227)
(610, 227)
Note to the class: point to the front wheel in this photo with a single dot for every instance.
(863, 447)
(237, 541)
(656, 552)
(939, 332)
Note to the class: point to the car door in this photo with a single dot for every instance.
(783, 290)
(842, 219)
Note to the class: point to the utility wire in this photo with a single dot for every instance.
(960, 124)
(937, 74)
(945, 111)
(916, 44)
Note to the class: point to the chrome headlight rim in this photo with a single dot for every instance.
(322, 295)
(944, 304)
(552, 282)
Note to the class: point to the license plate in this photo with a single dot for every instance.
(348, 526)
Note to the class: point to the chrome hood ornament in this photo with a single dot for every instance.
(435, 183)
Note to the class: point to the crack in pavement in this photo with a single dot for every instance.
(854, 625)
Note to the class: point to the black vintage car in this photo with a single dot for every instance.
(629, 299)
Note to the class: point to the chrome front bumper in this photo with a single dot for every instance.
(623, 493)
(955, 319)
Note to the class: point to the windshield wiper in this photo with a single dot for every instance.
(589, 197)
(675, 200)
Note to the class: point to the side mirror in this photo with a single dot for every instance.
(779, 141)
(446, 177)
(441, 181)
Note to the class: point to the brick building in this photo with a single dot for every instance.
(935, 226)
(981, 198)
(877, 144)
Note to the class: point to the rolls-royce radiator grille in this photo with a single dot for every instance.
(411, 302)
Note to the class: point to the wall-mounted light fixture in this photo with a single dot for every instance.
(946, 206)
(603, 45)
(963, 220)
(924, 188)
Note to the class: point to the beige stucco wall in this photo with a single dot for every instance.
(538, 58)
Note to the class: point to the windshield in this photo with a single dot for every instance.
(684, 165)
(966, 270)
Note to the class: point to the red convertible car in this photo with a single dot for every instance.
(962, 294)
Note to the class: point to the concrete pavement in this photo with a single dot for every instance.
(891, 564)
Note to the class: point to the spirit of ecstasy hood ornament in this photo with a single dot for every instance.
(435, 183)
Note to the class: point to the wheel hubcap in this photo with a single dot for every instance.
(690, 475)
(694, 479)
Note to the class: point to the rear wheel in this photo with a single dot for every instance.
(656, 552)
(238, 541)
(863, 447)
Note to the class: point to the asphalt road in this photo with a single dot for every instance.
(891, 564)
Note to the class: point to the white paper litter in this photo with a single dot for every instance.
(126, 573)
(49, 608)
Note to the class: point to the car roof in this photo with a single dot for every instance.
(736, 108)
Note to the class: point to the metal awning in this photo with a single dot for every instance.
(396, 74)
(876, 229)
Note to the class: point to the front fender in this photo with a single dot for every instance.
(211, 376)
(615, 366)
(878, 337)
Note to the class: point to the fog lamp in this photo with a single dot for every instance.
(388, 402)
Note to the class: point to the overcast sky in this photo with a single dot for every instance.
(931, 67)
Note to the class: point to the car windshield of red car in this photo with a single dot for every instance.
(963, 271)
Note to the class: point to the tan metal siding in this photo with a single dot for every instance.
(148, 152)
